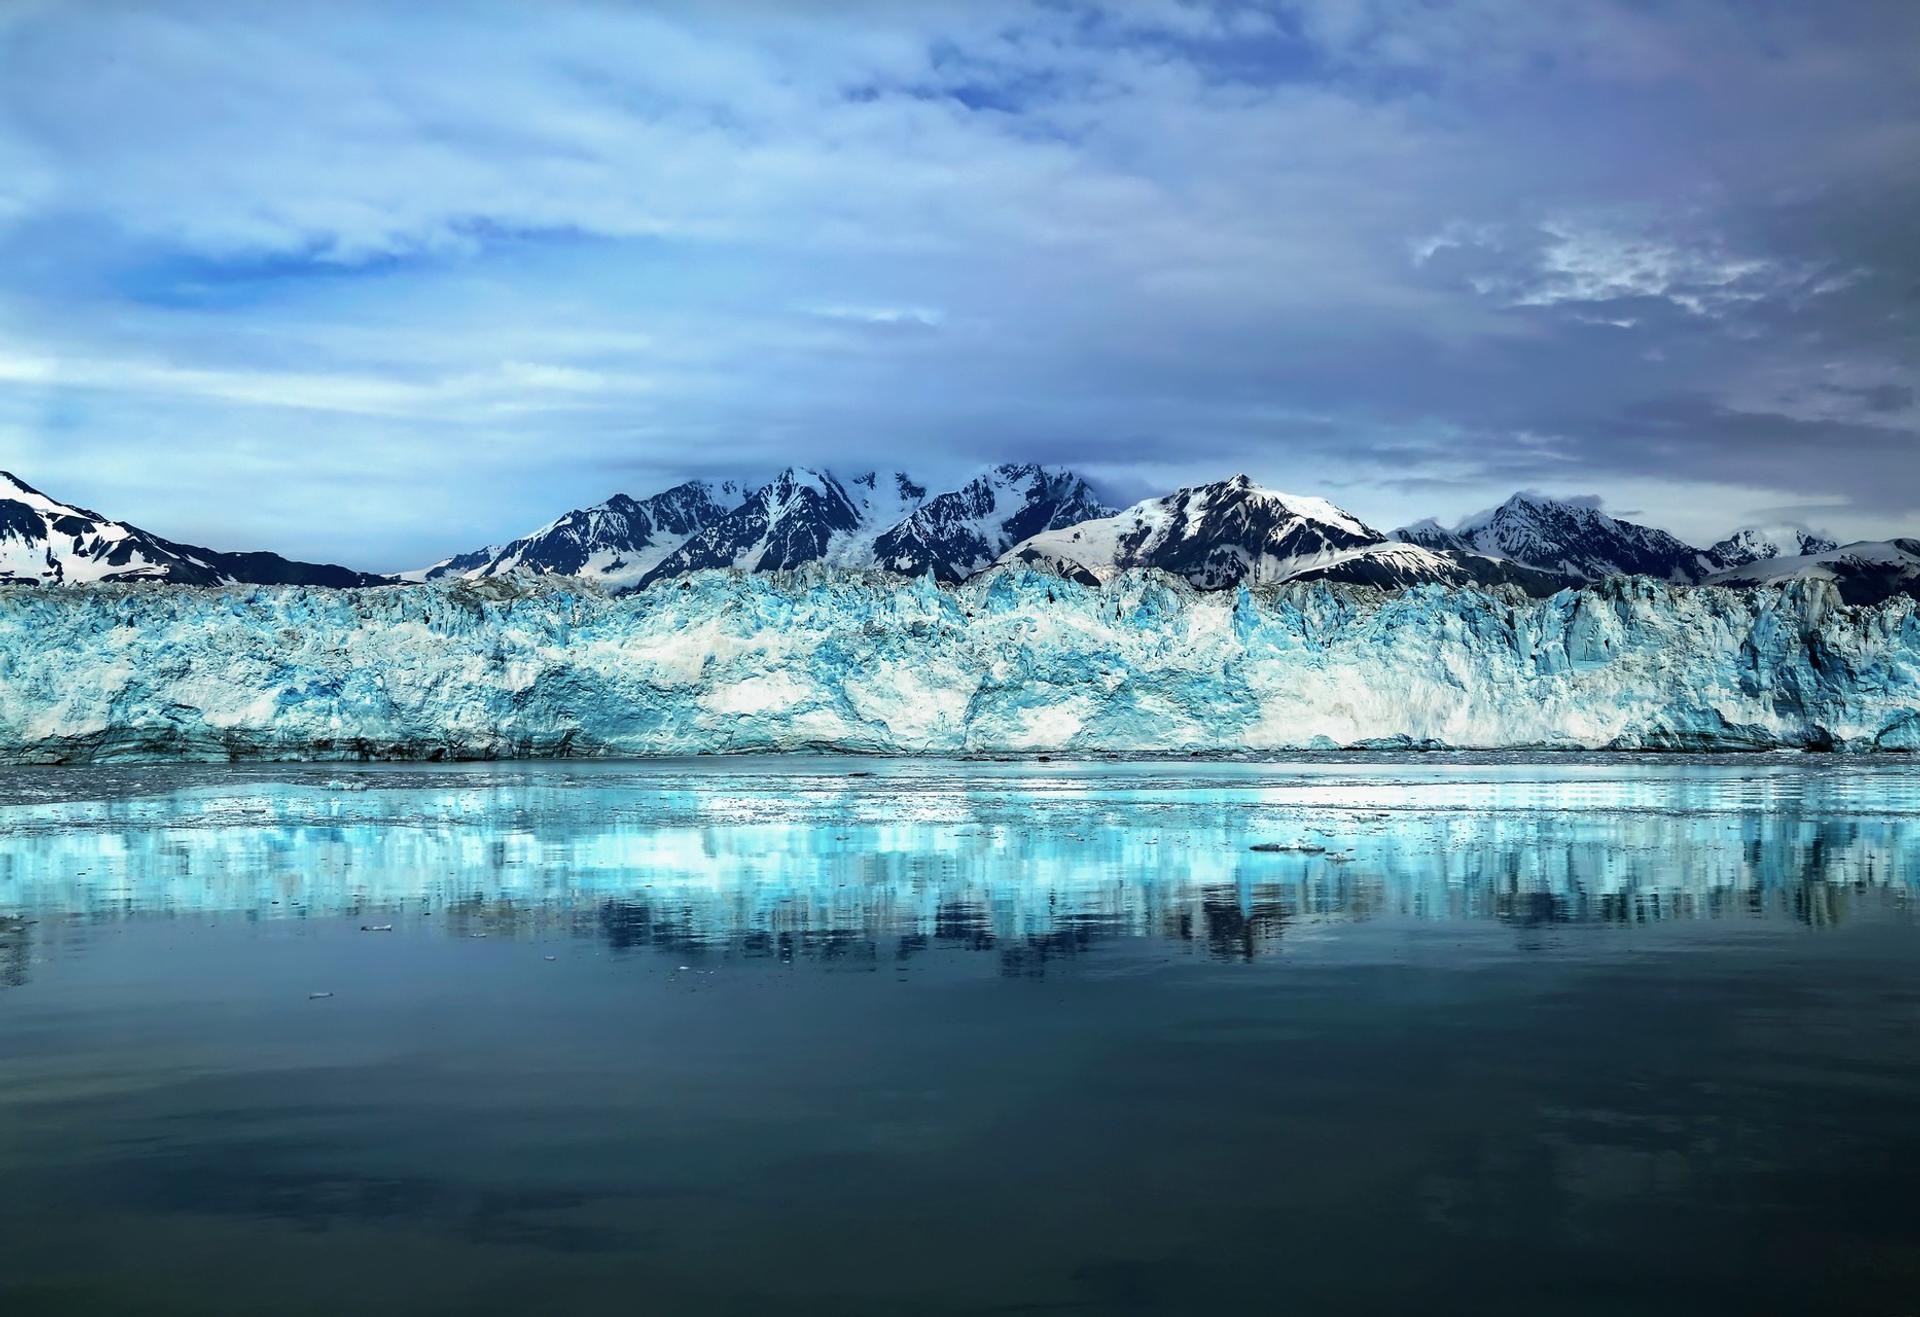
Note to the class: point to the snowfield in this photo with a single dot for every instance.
(1013, 661)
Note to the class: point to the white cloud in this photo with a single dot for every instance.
(1579, 264)
(442, 398)
(1576, 260)
(928, 317)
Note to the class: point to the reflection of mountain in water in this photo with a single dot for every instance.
(1215, 918)
(1031, 866)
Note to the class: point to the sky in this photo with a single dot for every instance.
(377, 282)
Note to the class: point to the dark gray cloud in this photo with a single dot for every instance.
(375, 281)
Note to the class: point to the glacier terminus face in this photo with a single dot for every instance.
(1016, 661)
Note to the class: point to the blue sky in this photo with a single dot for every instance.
(379, 282)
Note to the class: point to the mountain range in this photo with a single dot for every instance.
(1234, 532)
(1580, 540)
(616, 543)
(1215, 536)
(1865, 572)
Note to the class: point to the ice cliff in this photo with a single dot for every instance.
(1011, 661)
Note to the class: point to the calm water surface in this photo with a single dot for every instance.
(1500, 1035)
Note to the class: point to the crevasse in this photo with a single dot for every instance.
(1014, 661)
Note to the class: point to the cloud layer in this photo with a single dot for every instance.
(379, 281)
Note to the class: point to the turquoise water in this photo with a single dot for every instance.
(1491, 1034)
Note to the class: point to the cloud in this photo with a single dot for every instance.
(1566, 259)
(889, 316)
(1412, 252)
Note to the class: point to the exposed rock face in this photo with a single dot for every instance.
(1013, 660)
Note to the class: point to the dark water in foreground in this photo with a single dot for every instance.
(1562, 1035)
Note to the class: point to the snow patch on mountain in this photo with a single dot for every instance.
(880, 501)
(1393, 565)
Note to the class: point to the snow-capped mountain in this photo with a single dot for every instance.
(1234, 532)
(1865, 572)
(1585, 543)
(958, 533)
(616, 542)
(801, 516)
(1562, 536)
(1761, 543)
(1215, 536)
(47, 542)
(1227, 533)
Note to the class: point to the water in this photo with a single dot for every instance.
(1516, 1035)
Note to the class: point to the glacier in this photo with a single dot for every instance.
(1015, 661)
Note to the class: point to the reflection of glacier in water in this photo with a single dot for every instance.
(833, 857)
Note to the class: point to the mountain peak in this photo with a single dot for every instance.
(15, 490)
(1226, 533)
(1565, 535)
(800, 477)
(1752, 544)
(1308, 506)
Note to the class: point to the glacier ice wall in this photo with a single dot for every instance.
(1013, 661)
